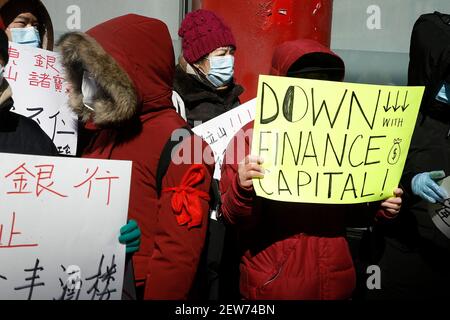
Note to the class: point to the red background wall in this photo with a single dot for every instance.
(260, 25)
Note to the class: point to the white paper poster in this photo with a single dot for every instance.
(60, 220)
(37, 80)
(219, 131)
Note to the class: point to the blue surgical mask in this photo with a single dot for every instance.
(444, 94)
(28, 36)
(221, 70)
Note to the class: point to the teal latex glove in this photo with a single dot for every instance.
(130, 235)
(424, 186)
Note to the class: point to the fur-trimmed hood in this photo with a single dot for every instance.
(131, 58)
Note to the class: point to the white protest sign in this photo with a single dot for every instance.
(440, 212)
(219, 131)
(60, 220)
(39, 91)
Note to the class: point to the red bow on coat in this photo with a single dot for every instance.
(186, 199)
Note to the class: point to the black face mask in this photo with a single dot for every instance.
(312, 75)
(329, 75)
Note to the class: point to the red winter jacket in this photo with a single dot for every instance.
(132, 60)
(289, 250)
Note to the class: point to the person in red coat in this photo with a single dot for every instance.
(289, 250)
(121, 73)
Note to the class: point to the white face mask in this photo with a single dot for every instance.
(89, 89)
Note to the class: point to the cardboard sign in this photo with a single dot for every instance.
(332, 142)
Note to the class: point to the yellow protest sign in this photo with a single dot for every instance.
(332, 142)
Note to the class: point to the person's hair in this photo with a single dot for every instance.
(12, 9)
(4, 45)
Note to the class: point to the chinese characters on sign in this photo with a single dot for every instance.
(39, 90)
(25, 182)
(219, 131)
(59, 225)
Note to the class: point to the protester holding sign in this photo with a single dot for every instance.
(27, 22)
(290, 250)
(18, 134)
(204, 76)
(415, 254)
(122, 73)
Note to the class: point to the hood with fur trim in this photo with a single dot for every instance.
(131, 58)
(306, 53)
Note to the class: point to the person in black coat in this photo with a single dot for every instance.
(413, 254)
(204, 75)
(18, 134)
(204, 79)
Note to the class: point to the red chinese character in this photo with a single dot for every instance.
(9, 76)
(59, 81)
(89, 181)
(12, 235)
(45, 80)
(46, 175)
(13, 53)
(34, 79)
(39, 61)
(20, 182)
(109, 184)
(51, 62)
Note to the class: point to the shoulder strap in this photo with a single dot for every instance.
(215, 194)
(165, 158)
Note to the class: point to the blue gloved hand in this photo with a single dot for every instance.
(424, 186)
(130, 235)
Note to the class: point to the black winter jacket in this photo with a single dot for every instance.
(430, 146)
(203, 102)
(18, 134)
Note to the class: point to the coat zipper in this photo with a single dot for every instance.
(273, 278)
